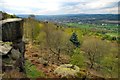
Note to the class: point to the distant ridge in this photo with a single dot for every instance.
(96, 16)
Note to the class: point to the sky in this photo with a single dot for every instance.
(56, 7)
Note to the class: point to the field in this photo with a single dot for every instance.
(110, 30)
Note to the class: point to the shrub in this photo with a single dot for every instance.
(31, 71)
(78, 58)
(110, 66)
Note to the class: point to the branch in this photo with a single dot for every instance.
(53, 51)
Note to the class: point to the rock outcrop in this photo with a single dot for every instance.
(12, 30)
(12, 47)
(67, 70)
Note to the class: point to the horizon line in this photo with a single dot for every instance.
(72, 14)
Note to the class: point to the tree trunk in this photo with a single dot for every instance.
(58, 55)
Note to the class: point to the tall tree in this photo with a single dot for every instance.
(74, 40)
(56, 40)
(32, 18)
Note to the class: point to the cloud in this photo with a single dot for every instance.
(93, 7)
(58, 6)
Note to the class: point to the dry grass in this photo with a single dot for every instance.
(14, 74)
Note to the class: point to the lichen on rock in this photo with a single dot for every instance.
(15, 54)
(67, 70)
(4, 48)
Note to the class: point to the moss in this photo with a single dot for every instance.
(67, 70)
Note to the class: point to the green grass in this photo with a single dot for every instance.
(32, 72)
(112, 34)
(78, 25)
(111, 26)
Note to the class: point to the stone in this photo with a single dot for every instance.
(4, 48)
(7, 61)
(42, 61)
(20, 46)
(15, 54)
(67, 70)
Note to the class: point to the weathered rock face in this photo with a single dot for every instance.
(12, 29)
(12, 47)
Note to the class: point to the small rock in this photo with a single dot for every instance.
(43, 61)
(15, 54)
(4, 48)
(67, 70)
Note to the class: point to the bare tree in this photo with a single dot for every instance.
(95, 50)
(32, 18)
(55, 39)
